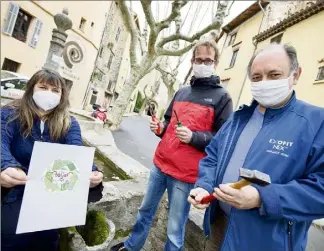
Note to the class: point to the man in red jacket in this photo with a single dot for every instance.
(202, 108)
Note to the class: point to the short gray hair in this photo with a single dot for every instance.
(291, 53)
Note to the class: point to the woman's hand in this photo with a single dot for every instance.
(95, 178)
(12, 176)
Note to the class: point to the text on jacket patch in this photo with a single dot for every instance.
(209, 100)
(279, 147)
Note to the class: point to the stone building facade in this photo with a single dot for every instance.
(103, 89)
(26, 31)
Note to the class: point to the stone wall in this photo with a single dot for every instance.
(121, 199)
(194, 239)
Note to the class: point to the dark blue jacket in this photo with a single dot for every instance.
(16, 150)
(290, 148)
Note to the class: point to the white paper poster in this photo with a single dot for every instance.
(57, 188)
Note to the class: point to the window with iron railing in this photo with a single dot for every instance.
(21, 26)
(17, 24)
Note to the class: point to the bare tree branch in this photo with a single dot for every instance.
(229, 8)
(218, 21)
(191, 39)
(175, 12)
(143, 44)
(131, 26)
(169, 79)
(147, 8)
(146, 5)
(144, 91)
(165, 80)
(218, 4)
(154, 65)
(164, 72)
(175, 53)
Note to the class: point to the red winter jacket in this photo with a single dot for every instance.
(203, 107)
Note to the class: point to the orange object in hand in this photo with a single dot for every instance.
(249, 177)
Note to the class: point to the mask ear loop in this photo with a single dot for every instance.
(291, 75)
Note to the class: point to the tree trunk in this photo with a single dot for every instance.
(120, 106)
(171, 92)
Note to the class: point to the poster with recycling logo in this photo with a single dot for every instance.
(61, 176)
(57, 188)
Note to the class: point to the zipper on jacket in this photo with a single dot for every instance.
(289, 232)
(41, 131)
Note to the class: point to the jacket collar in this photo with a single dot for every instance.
(212, 81)
(270, 112)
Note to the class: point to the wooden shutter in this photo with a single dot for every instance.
(36, 33)
(11, 18)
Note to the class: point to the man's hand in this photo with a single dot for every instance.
(184, 134)
(154, 125)
(95, 178)
(13, 176)
(199, 193)
(245, 198)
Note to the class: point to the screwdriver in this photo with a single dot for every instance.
(179, 122)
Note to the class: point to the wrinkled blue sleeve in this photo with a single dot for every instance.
(7, 133)
(73, 136)
(301, 199)
(207, 167)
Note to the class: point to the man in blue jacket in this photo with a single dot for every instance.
(278, 135)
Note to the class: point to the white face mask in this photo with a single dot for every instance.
(271, 92)
(46, 100)
(202, 70)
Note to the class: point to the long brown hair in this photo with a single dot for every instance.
(26, 110)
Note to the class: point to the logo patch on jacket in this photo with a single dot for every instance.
(209, 100)
(279, 147)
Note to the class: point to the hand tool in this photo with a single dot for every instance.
(158, 130)
(248, 177)
(179, 122)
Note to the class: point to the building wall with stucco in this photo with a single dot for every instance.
(85, 41)
(308, 39)
(233, 77)
(306, 36)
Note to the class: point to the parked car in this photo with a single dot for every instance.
(13, 85)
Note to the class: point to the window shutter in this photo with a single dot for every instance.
(36, 33)
(11, 18)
